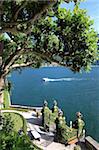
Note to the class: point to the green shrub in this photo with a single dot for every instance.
(77, 147)
(6, 99)
(19, 121)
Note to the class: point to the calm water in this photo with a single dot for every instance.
(81, 93)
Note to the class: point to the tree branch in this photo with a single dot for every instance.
(1, 3)
(18, 10)
(38, 15)
(21, 65)
(12, 26)
(48, 58)
(15, 66)
(43, 56)
(11, 59)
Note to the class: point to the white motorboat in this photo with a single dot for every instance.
(60, 79)
(47, 79)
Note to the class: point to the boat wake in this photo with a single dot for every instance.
(60, 79)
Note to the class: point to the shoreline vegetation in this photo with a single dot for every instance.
(7, 101)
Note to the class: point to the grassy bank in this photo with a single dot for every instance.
(18, 120)
(20, 123)
(6, 99)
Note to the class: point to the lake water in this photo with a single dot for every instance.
(79, 93)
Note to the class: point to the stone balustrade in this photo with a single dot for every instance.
(91, 144)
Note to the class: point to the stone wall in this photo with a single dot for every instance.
(91, 144)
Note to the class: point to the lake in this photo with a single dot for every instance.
(78, 92)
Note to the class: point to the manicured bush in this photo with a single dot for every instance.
(49, 116)
(19, 121)
(63, 132)
(77, 147)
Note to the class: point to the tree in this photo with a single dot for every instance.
(60, 36)
(19, 15)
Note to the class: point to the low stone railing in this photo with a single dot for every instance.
(26, 107)
(91, 144)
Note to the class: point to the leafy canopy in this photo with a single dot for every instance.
(62, 36)
(68, 38)
(19, 15)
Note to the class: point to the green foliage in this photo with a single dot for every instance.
(66, 37)
(10, 139)
(63, 132)
(81, 125)
(69, 39)
(16, 142)
(49, 116)
(7, 124)
(6, 98)
(18, 120)
(1, 121)
(19, 15)
(77, 147)
(46, 116)
(53, 117)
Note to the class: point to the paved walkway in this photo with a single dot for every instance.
(58, 146)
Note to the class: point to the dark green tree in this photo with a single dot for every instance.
(60, 36)
(19, 15)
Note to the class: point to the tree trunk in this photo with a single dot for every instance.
(2, 83)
